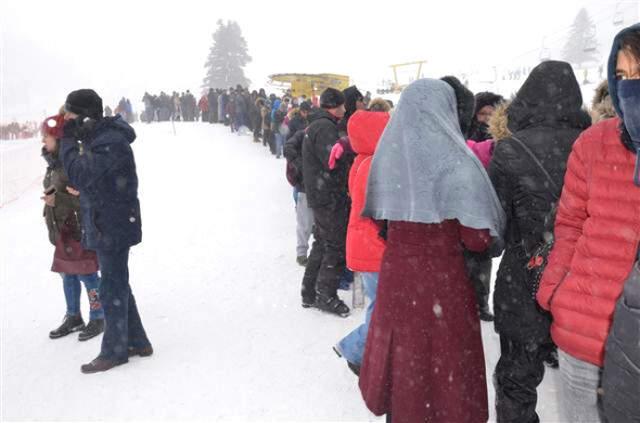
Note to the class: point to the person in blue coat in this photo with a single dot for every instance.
(97, 156)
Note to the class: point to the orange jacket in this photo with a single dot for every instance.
(364, 246)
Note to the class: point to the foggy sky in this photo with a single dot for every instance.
(123, 48)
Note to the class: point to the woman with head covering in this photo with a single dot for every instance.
(423, 358)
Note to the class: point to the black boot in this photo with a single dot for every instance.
(101, 365)
(302, 260)
(552, 359)
(142, 352)
(93, 329)
(355, 368)
(69, 324)
(484, 310)
(333, 305)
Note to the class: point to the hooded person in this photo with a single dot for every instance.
(365, 246)
(354, 101)
(592, 261)
(485, 104)
(105, 174)
(437, 199)
(527, 170)
(478, 264)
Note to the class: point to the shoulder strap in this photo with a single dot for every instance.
(540, 166)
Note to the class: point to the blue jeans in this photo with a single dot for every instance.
(123, 327)
(279, 143)
(352, 346)
(73, 290)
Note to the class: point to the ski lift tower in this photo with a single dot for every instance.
(396, 86)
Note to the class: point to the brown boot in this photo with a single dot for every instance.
(101, 365)
(142, 352)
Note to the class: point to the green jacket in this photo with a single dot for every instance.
(67, 206)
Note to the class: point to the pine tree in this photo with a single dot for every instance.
(581, 46)
(227, 57)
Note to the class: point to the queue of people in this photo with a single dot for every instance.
(418, 199)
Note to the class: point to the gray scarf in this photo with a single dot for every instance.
(424, 172)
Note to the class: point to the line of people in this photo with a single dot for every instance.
(417, 199)
(443, 184)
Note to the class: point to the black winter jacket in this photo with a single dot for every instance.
(323, 185)
(546, 116)
(105, 174)
(293, 153)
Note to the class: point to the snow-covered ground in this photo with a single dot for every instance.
(218, 290)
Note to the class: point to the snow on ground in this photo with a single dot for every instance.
(218, 290)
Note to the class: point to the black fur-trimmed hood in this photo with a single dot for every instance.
(465, 103)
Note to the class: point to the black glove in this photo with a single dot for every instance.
(79, 128)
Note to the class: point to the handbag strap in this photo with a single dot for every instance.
(540, 166)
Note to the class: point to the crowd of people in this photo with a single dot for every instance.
(19, 131)
(417, 198)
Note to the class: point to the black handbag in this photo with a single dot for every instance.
(538, 259)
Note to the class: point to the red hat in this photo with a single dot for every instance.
(53, 126)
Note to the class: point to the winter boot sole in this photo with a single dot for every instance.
(141, 352)
(87, 337)
(62, 335)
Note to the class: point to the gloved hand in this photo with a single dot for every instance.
(343, 145)
(78, 128)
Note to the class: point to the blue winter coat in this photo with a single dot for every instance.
(105, 174)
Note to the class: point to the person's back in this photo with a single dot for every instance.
(364, 245)
(322, 183)
(525, 193)
(545, 122)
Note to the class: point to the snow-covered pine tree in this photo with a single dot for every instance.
(582, 45)
(227, 57)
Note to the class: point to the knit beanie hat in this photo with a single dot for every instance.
(84, 102)
(331, 98)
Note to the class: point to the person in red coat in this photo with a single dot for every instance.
(203, 105)
(423, 359)
(364, 243)
(597, 231)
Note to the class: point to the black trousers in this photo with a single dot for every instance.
(518, 373)
(123, 326)
(479, 271)
(327, 257)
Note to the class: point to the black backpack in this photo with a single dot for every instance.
(538, 259)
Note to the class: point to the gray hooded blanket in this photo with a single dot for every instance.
(424, 172)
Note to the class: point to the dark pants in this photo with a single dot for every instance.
(518, 373)
(266, 136)
(272, 142)
(327, 258)
(123, 327)
(256, 132)
(213, 116)
(479, 271)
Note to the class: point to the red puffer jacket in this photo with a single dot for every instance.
(597, 231)
(364, 245)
